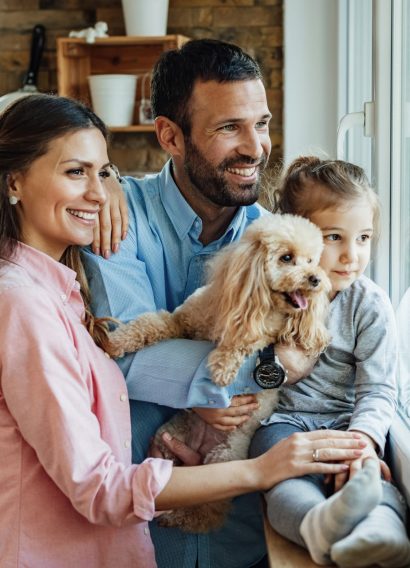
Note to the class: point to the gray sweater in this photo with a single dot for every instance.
(356, 373)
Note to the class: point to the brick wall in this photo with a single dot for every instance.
(255, 25)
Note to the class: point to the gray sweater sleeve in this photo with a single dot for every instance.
(376, 359)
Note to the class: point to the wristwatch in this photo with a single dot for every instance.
(269, 372)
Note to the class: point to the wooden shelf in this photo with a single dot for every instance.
(133, 55)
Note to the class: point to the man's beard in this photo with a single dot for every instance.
(210, 182)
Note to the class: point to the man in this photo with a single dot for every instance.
(212, 118)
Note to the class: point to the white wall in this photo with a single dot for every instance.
(310, 77)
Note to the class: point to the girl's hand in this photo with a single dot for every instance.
(227, 419)
(293, 456)
(356, 465)
(112, 224)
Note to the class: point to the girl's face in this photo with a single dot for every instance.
(62, 192)
(347, 233)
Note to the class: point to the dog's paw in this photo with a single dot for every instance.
(223, 366)
(116, 346)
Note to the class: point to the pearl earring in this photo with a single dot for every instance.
(13, 199)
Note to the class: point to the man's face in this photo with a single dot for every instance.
(229, 143)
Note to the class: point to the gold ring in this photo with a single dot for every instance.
(315, 455)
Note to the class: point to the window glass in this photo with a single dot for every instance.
(402, 273)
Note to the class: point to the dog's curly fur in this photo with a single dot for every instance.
(265, 288)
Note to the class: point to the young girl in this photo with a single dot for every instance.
(352, 386)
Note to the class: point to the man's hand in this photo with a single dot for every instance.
(227, 419)
(295, 361)
(181, 451)
(112, 224)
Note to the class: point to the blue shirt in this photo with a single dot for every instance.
(159, 265)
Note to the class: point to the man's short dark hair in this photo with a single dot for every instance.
(176, 72)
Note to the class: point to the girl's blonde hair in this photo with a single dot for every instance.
(310, 184)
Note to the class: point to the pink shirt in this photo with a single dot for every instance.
(69, 495)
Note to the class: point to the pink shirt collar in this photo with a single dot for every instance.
(46, 271)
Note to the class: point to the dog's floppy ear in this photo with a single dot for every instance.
(240, 289)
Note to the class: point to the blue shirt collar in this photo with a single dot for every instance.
(183, 217)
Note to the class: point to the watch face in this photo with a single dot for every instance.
(269, 375)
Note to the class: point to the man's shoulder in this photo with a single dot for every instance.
(138, 189)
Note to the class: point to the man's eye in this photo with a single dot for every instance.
(262, 124)
(286, 258)
(228, 127)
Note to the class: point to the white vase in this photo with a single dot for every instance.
(145, 17)
(113, 98)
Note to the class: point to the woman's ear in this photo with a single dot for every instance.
(170, 136)
(14, 184)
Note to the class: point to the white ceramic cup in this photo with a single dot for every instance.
(113, 98)
(145, 17)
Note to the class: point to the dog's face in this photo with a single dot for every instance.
(290, 249)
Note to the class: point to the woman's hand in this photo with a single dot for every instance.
(227, 419)
(112, 224)
(309, 452)
(291, 457)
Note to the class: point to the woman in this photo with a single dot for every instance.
(69, 493)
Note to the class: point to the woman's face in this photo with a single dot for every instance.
(62, 192)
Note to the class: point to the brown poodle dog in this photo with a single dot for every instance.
(265, 288)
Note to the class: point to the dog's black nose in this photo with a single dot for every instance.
(314, 280)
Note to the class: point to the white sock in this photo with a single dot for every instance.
(335, 518)
(380, 539)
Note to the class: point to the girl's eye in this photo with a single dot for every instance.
(364, 238)
(286, 258)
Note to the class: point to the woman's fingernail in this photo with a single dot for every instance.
(115, 247)
(124, 236)
(167, 437)
(96, 251)
(106, 254)
(357, 452)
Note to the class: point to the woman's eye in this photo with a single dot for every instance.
(286, 258)
(333, 237)
(104, 174)
(75, 171)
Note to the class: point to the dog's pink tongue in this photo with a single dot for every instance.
(299, 299)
